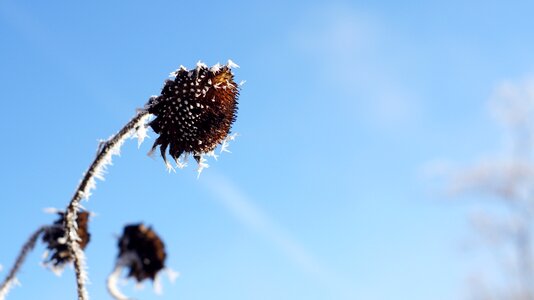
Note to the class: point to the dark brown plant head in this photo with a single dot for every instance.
(141, 251)
(195, 111)
(55, 240)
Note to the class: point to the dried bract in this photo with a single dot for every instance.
(195, 111)
(55, 240)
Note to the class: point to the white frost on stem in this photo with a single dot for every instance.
(96, 170)
(141, 131)
(10, 284)
(11, 279)
(113, 282)
(127, 259)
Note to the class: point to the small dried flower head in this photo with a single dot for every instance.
(141, 251)
(195, 111)
(55, 240)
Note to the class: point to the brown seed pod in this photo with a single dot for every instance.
(54, 238)
(141, 251)
(195, 111)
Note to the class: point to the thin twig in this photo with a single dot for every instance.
(103, 158)
(27, 248)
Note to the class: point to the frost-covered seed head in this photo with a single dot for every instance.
(206, 117)
(54, 238)
(142, 251)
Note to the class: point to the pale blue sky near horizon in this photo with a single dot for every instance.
(323, 196)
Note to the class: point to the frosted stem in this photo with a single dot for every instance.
(96, 169)
(113, 283)
(27, 248)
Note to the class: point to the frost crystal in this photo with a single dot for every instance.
(200, 64)
(232, 64)
(202, 164)
(9, 285)
(141, 131)
(226, 143)
(215, 68)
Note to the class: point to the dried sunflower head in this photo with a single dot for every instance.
(54, 238)
(141, 251)
(195, 111)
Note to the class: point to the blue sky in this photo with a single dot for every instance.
(322, 197)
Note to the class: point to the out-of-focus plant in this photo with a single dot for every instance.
(141, 252)
(507, 182)
(192, 116)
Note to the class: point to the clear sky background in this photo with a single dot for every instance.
(324, 194)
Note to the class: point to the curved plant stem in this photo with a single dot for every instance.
(27, 248)
(112, 283)
(103, 158)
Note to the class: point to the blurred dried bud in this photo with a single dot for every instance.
(56, 243)
(141, 251)
(195, 111)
